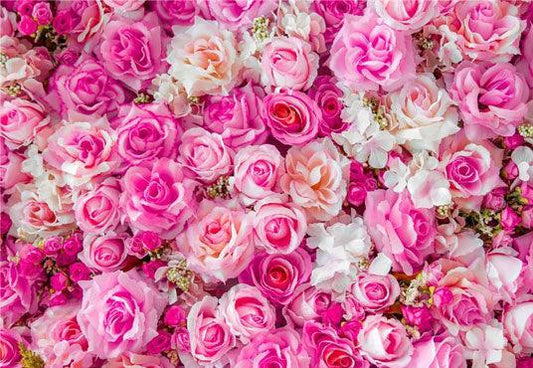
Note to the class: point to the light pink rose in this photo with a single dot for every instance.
(288, 62)
(9, 348)
(308, 304)
(21, 121)
(368, 54)
(438, 352)
(131, 51)
(82, 150)
(119, 313)
(11, 168)
(204, 155)
(97, 210)
(281, 349)
(7, 22)
(278, 227)
(504, 271)
(175, 12)
(236, 15)
(158, 198)
(237, 116)
(525, 64)
(104, 253)
(384, 342)
(292, 117)
(124, 5)
(247, 312)
(132, 360)
(403, 233)
(518, 325)
(218, 244)
(210, 336)
(491, 97)
(57, 337)
(86, 18)
(316, 178)
(374, 293)
(406, 16)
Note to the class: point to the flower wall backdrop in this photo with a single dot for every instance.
(266, 184)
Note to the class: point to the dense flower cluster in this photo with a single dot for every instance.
(266, 183)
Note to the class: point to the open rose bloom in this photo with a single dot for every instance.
(266, 184)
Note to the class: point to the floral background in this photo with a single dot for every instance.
(266, 183)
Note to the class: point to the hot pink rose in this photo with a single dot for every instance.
(375, 292)
(175, 12)
(328, 97)
(237, 116)
(384, 342)
(204, 155)
(491, 97)
(292, 117)
(132, 360)
(124, 5)
(9, 349)
(234, 14)
(309, 303)
(119, 313)
(218, 244)
(406, 16)
(368, 54)
(105, 253)
(97, 210)
(157, 198)
(210, 336)
(333, 13)
(85, 17)
(21, 121)
(518, 326)
(403, 233)
(438, 352)
(131, 51)
(288, 62)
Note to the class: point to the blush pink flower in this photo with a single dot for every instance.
(406, 16)
(374, 293)
(85, 19)
(133, 360)
(175, 12)
(124, 5)
(438, 352)
(309, 304)
(11, 172)
(235, 15)
(104, 253)
(518, 326)
(21, 121)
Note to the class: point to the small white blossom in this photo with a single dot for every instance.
(523, 159)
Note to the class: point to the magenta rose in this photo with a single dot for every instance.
(491, 97)
(438, 352)
(9, 349)
(333, 12)
(21, 121)
(119, 313)
(157, 198)
(374, 293)
(175, 12)
(368, 54)
(234, 14)
(237, 117)
(81, 19)
(292, 117)
(402, 232)
(104, 253)
(328, 97)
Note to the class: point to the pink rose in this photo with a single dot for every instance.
(308, 304)
(292, 117)
(218, 244)
(21, 121)
(97, 210)
(132, 360)
(247, 312)
(157, 198)
(86, 18)
(525, 64)
(406, 16)
(333, 13)
(257, 172)
(105, 253)
(131, 51)
(281, 349)
(278, 227)
(403, 233)
(119, 313)
(9, 349)
(27, 25)
(85, 88)
(175, 12)
(384, 342)
(234, 14)
(11, 168)
(278, 275)
(491, 97)
(146, 132)
(288, 62)
(438, 352)
(368, 54)
(124, 5)
(58, 337)
(237, 117)
(328, 97)
(82, 150)
(518, 326)
(504, 272)
(375, 292)
(210, 336)
(7, 23)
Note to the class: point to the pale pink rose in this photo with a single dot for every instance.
(132, 360)
(57, 337)
(368, 54)
(21, 121)
(7, 23)
(204, 156)
(491, 97)
(406, 16)
(11, 168)
(85, 17)
(438, 352)
(247, 312)
(288, 62)
(146, 132)
(308, 304)
(374, 293)
(504, 272)
(236, 15)
(525, 64)
(237, 117)
(204, 59)
(281, 349)
(9, 348)
(518, 325)
(384, 342)
(402, 232)
(210, 336)
(82, 151)
(119, 313)
(104, 253)
(316, 178)
(131, 51)
(97, 210)
(124, 5)
(257, 172)
(278, 227)
(175, 12)
(158, 198)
